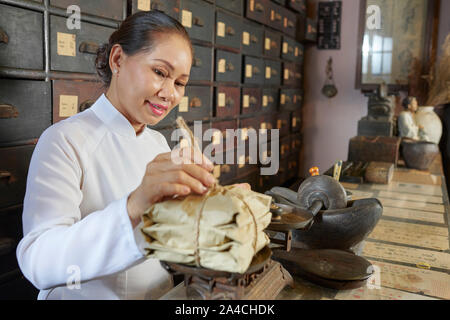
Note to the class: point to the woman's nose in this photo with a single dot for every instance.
(167, 91)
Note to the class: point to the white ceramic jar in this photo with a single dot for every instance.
(432, 124)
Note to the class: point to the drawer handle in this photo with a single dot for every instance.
(230, 31)
(270, 99)
(88, 47)
(6, 175)
(273, 44)
(3, 37)
(253, 100)
(198, 22)
(197, 62)
(230, 66)
(156, 5)
(86, 105)
(256, 70)
(7, 245)
(196, 102)
(290, 49)
(298, 75)
(288, 98)
(278, 16)
(254, 39)
(229, 102)
(274, 72)
(259, 7)
(8, 111)
(225, 168)
(290, 24)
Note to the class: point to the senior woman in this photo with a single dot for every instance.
(93, 175)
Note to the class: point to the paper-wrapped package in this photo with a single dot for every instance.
(221, 230)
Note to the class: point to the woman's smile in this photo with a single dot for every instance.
(157, 109)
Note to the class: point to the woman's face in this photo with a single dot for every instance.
(148, 85)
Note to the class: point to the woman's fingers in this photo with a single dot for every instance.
(174, 189)
(190, 155)
(181, 177)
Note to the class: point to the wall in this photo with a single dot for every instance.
(328, 124)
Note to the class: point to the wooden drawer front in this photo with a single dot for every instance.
(228, 30)
(292, 166)
(266, 124)
(111, 9)
(282, 124)
(257, 10)
(272, 44)
(25, 109)
(71, 97)
(272, 72)
(281, 2)
(289, 25)
(14, 163)
(202, 65)
(296, 121)
(253, 70)
(228, 102)
(75, 50)
(198, 18)
(228, 66)
(21, 38)
(307, 29)
(225, 172)
(169, 7)
(270, 100)
(252, 124)
(292, 75)
(228, 142)
(291, 50)
(252, 38)
(285, 147)
(297, 5)
(275, 15)
(251, 100)
(290, 99)
(296, 143)
(236, 6)
(196, 104)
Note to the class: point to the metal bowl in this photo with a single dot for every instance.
(419, 154)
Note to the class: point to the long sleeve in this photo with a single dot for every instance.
(407, 127)
(56, 237)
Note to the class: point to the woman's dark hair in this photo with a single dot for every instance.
(137, 33)
(407, 101)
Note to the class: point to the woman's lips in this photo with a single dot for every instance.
(157, 109)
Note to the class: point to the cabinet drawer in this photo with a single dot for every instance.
(227, 102)
(75, 50)
(307, 29)
(272, 72)
(292, 75)
(257, 10)
(275, 16)
(110, 9)
(196, 104)
(296, 143)
(169, 7)
(21, 38)
(236, 6)
(283, 122)
(25, 109)
(297, 5)
(252, 38)
(270, 100)
(228, 30)
(224, 172)
(290, 99)
(266, 124)
(291, 50)
(272, 44)
(71, 97)
(285, 147)
(225, 141)
(14, 163)
(296, 121)
(251, 100)
(292, 166)
(289, 25)
(202, 64)
(253, 70)
(198, 18)
(228, 66)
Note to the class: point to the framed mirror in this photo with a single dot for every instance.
(397, 43)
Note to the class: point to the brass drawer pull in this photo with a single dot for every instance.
(253, 100)
(196, 102)
(3, 36)
(288, 98)
(278, 16)
(88, 47)
(156, 5)
(274, 72)
(8, 111)
(229, 102)
(290, 24)
(198, 22)
(7, 245)
(230, 66)
(6, 175)
(230, 31)
(254, 39)
(225, 168)
(271, 99)
(86, 105)
(256, 70)
(259, 7)
(197, 62)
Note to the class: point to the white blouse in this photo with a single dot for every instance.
(78, 240)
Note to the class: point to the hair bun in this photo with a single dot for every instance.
(102, 64)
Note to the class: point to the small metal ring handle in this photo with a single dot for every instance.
(3, 36)
(230, 66)
(277, 16)
(198, 22)
(196, 102)
(230, 31)
(259, 7)
(197, 62)
(253, 100)
(229, 102)
(7, 176)
(256, 70)
(254, 39)
(88, 47)
(8, 111)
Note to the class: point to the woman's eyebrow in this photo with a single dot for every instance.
(170, 66)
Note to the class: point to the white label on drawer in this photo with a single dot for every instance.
(184, 105)
(285, 47)
(285, 22)
(265, 101)
(144, 5)
(296, 52)
(246, 38)
(286, 74)
(268, 73)
(241, 161)
(216, 171)
(68, 105)
(267, 44)
(244, 134)
(272, 15)
(252, 5)
(246, 101)
(221, 99)
(283, 99)
(294, 122)
(248, 71)
(217, 137)
(186, 18)
(221, 29)
(279, 124)
(263, 128)
(222, 66)
(66, 44)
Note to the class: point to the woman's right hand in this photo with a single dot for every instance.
(168, 175)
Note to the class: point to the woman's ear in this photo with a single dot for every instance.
(115, 58)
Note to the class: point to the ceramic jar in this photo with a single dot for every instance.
(432, 124)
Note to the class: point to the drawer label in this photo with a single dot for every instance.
(144, 5)
(283, 99)
(66, 44)
(265, 101)
(68, 105)
(268, 73)
(244, 134)
(186, 18)
(184, 105)
(294, 122)
(248, 71)
(217, 137)
(246, 38)
(222, 66)
(286, 74)
(285, 47)
(246, 101)
(241, 161)
(221, 29)
(296, 52)
(267, 44)
(252, 5)
(279, 123)
(263, 128)
(221, 99)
